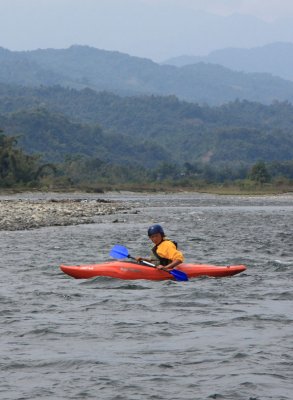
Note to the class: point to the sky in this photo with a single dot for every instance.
(154, 29)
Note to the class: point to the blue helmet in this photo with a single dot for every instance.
(155, 229)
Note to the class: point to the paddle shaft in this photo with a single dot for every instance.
(143, 262)
(152, 265)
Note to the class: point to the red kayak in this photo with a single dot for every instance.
(131, 270)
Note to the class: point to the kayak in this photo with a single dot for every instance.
(131, 270)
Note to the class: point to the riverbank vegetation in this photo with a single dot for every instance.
(20, 171)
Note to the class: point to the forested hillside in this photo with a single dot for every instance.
(55, 138)
(81, 66)
(145, 131)
(70, 137)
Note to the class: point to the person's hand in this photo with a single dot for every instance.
(138, 259)
(162, 267)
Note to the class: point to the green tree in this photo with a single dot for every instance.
(259, 173)
(16, 167)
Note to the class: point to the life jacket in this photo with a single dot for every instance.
(163, 261)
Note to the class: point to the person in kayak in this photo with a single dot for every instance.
(166, 254)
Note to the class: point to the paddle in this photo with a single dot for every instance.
(120, 252)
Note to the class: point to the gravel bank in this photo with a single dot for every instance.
(31, 214)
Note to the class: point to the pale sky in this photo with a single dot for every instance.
(264, 9)
(155, 29)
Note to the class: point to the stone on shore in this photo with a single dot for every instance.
(31, 214)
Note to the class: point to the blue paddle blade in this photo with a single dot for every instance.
(119, 252)
(179, 275)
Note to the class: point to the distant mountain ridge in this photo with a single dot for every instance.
(80, 67)
(274, 58)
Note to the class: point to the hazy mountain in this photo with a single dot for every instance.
(81, 66)
(275, 58)
(156, 29)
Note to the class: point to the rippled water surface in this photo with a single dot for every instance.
(228, 338)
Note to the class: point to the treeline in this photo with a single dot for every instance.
(19, 170)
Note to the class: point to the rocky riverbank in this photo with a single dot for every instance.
(31, 214)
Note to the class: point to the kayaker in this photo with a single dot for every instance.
(165, 252)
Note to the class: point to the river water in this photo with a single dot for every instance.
(227, 338)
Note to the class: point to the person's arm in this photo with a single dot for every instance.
(170, 266)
